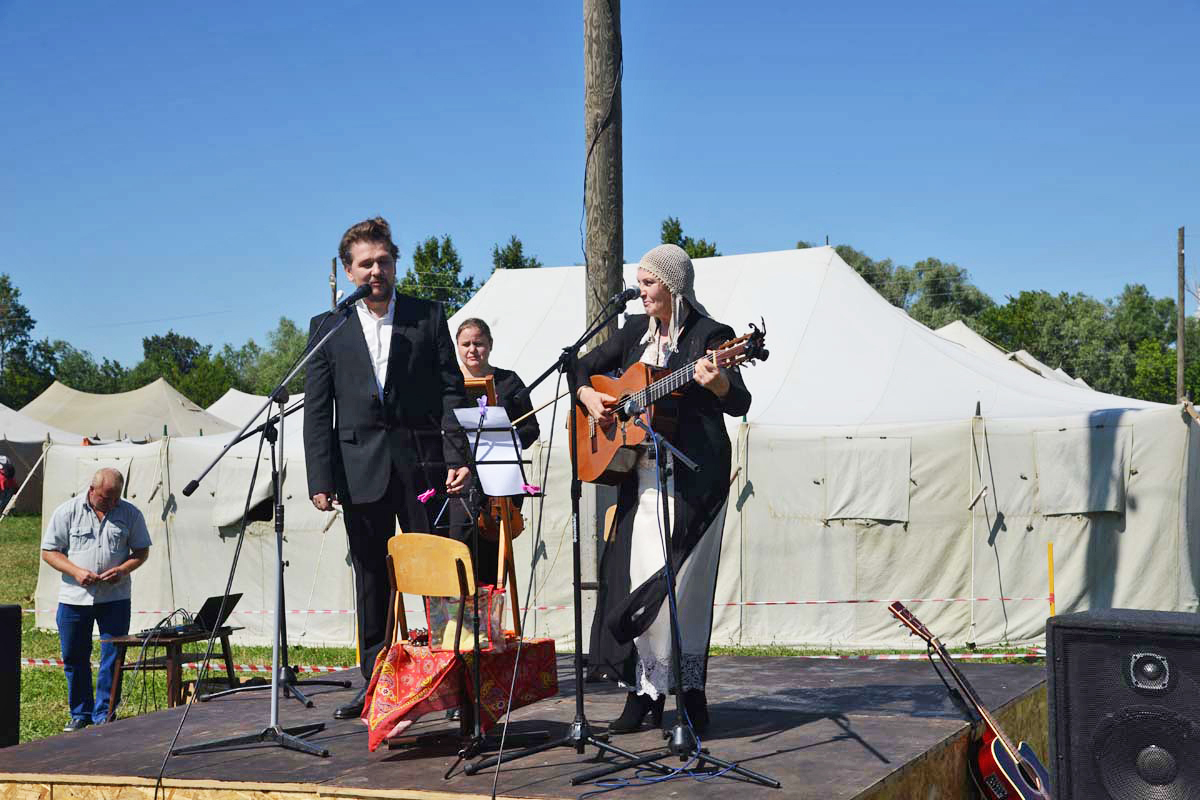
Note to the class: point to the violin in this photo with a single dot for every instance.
(497, 511)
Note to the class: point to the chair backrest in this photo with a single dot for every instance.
(427, 565)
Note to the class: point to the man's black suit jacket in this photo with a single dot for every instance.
(352, 441)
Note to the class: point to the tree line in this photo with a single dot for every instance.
(1123, 345)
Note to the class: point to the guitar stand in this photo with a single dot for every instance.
(682, 742)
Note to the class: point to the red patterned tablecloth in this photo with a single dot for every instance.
(410, 682)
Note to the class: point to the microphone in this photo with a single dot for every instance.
(625, 296)
(354, 297)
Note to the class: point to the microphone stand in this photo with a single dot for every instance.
(579, 735)
(287, 738)
(681, 739)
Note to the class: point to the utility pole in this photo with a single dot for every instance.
(603, 198)
(333, 284)
(1179, 327)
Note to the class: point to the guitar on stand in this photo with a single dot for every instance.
(607, 455)
(1001, 771)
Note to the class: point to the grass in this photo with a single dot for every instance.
(44, 689)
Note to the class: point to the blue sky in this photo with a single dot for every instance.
(193, 166)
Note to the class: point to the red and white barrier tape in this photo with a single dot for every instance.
(715, 605)
(212, 666)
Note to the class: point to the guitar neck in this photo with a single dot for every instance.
(972, 698)
(669, 383)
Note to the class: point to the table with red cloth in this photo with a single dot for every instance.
(411, 681)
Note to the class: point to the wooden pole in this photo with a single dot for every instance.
(333, 284)
(604, 247)
(1180, 317)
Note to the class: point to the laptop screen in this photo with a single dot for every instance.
(207, 618)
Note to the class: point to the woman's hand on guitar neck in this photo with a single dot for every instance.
(710, 376)
(599, 405)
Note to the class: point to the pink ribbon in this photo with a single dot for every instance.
(530, 488)
(425, 495)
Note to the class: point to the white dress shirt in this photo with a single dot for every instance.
(378, 333)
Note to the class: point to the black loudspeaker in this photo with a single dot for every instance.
(1124, 702)
(10, 675)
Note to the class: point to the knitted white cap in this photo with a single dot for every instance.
(671, 265)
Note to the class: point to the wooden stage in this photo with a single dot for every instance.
(824, 729)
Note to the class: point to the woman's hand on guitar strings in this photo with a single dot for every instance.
(599, 405)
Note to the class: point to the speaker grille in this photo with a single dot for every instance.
(1125, 705)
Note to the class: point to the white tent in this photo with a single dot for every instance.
(235, 407)
(859, 460)
(960, 333)
(139, 415)
(21, 439)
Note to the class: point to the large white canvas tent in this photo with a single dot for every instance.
(855, 470)
(139, 415)
(878, 461)
(21, 440)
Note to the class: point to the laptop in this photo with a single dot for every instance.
(206, 619)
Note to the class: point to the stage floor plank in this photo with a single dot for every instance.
(824, 729)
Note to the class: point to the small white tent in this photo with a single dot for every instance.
(236, 407)
(21, 440)
(859, 460)
(960, 333)
(139, 415)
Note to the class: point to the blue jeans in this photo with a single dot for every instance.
(75, 632)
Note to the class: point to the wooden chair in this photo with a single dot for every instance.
(430, 566)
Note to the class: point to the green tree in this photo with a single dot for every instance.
(285, 345)
(672, 233)
(938, 293)
(512, 256)
(436, 274)
(1153, 372)
(16, 324)
(77, 369)
(185, 364)
(28, 370)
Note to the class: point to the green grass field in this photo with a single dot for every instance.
(44, 689)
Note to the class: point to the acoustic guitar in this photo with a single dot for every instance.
(607, 454)
(1001, 771)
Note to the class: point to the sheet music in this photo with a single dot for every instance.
(498, 480)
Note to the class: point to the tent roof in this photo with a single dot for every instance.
(960, 333)
(235, 407)
(139, 414)
(17, 427)
(840, 355)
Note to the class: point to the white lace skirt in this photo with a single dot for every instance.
(695, 587)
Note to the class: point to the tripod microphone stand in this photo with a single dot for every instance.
(288, 681)
(681, 738)
(579, 736)
(288, 738)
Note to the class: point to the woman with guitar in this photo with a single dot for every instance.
(474, 341)
(631, 634)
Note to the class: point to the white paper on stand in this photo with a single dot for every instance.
(498, 479)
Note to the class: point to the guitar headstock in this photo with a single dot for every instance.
(747, 347)
(911, 622)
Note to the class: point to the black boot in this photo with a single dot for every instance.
(636, 708)
(696, 706)
(353, 709)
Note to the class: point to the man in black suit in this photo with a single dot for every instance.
(377, 397)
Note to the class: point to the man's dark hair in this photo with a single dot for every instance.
(369, 230)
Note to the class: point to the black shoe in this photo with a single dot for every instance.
(353, 709)
(696, 706)
(636, 708)
(76, 724)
